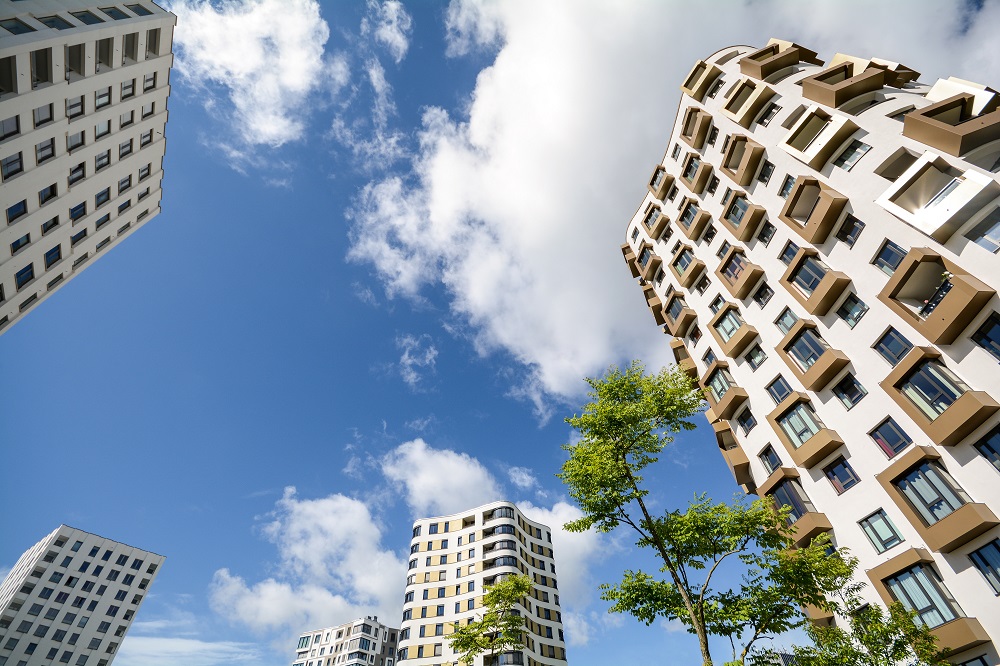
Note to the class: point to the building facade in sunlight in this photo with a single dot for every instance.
(83, 107)
(363, 641)
(453, 559)
(820, 241)
(71, 599)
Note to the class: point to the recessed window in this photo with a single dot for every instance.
(695, 335)
(709, 234)
(17, 210)
(53, 255)
(16, 27)
(708, 358)
(766, 233)
(101, 221)
(769, 113)
(987, 336)
(77, 237)
(78, 211)
(932, 388)
(850, 230)
(852, 310)
(786, 187)
(892, 346)
(747, 421)
(10, 127)
(716, 87)
(766, 171)
(880, 531)
(146, 138)
(124, 184)
(676, 151)
(24, 276)
(42, 115)
(102, 197)
(841, 475)
(889, 257)
(713, 135)
(139, 10)
(672, 193)
(77, 173)
(989, 447)
(725, 198)
(20, 243)
(849, 390)
(703, 284)
(769, 459)
(102, 160)
(788, 253)
(102, 97)
(50, 225)
(87, 18)
(124, 148)
(55, 22)
(126, 119)
(47, 194)
(931, 491)
(763, 295)
(128, 88)
(102, 129)
(850, 156)
(74, 107)
(713, 185)
(806, 348)
(125, 205)
(75, 140)
(148, 109)
(800, 423)
(786, 320)
(755, 357)
(115, 13)
(779, 389)
(987, 560)
(11, 166)
(635, 230)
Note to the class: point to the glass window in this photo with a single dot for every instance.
(786, 320)
(889, 256)
(989, 447)
(987, 336)
(850, 391)
(728, 324)
(683, 261)
(676, 151)
(20, 243)
(737, 210)
(46, 194)
(800, 423)
(987, 560)
(880, 531)
(102, 160)
(75, 140)
(755, 357)
(723, 249)
(115, 13)
(918, 589)
(852, 309)
(713, 185)
(77, 173)
(932, 388)
(841, 475)
(766, 171)
(125, 148)
(931, 491)
(55, 22)
(788, 253)
(709, 234)
(688, 215)
(719, 383)
(87, 18)
(139, 10)
(716, 87)
(42, 115)
(806, 348)
(854, 152)
(786, 187)
(746, 420)
(708, 358)
(763, 295)
(809, 274)
(779, 389)
(102, 197)
(102, 129)
(766, 233)
(17, 210)
(850, 230)
(716, 304)
(78, 211)
(713, 135)
(769, 113)
(893, 346)
(14, 26)
(769, 458)
(703, 284)
(11, 166)
(74, 106)
(10, 127)
(52, 256)
(789, 493)
(24, 276)
(691, 168)
(102, 97)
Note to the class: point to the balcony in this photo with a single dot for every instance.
(737, 274)
(805, 522)
(818, 616)
(629, 255)
(653, 303)
(729, 329)
(694, 128)
(696, 173)
(700, 79)
(692, 220)
(648, 262)
(678, 315)
(686, 267)
(819, 441)
(812, 283)
(810, 526)
(841, 83)
(735, 457)
(942, 406)
(746, 101)
(660, 182)
(742, 217)
(655, 222)
(683, 358)
(741, 159)
(935, 295)
(817, 135)
(724, 396)
(777, 56)
(953, 125)
(812, 209)
(822, 369)
(937, 198)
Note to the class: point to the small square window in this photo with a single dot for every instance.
(55, 22)
(47, 194)
(769, 113)
(841, 475)
(850, 391)
(102, 197)
(766, 233)
(766, 171)
(892, 346)
(87, 18)
(703, 284)
(102, 97)
(786, 187)
(128, 88)
(102, 129)
(42, 115)
(747, 421)
(102, 160)
(717, 304)
(723, 249)
(852, 310)
(880, 531)
(850, 156)
(676, 151)
(755, 357)
(763, 295)
(19, 244)
(17, 210)
(77, 173)
(709, 234)
(788, 253)
(890, 437)
(52, 257)
(124, 148)
(50, 225)
(889, 257)
(74, 107)
(75, 140)
(779, 389)
(16, 27)
(713, 135)
(850, 230)
(10, 127)
(786, 320)
(987, 560)
(987, 336)
(126, 119)
(11, 166)
(769, 458)
(713, 185)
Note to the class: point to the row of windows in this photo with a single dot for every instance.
(56, 22)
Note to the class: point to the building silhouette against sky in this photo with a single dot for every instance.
(821, 242)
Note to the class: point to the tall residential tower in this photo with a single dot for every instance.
(83, 106)
(454, 558)
(363, 642)
(820, 240)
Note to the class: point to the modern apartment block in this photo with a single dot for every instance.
(454, 559)
(83, 106)
(364, 641)
(821, 242)
(71, 598)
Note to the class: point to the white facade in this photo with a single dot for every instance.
(773, 147)
(71, 599)
(363, 641)
(83, 107)
(454, 558)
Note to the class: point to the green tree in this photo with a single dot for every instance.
(876, 638)
(631, 418)
(500, 628)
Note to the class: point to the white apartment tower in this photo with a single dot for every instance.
(71, 598)
(821, 242)
(83, 106)
(363, 642)
(454, 559)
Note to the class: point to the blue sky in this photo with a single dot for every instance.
(389, 242)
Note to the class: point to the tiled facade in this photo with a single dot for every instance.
(83, 107)
(363, 641)
(821, 242)
(71, 598)
(453, 559)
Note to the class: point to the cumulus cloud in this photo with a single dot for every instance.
(438, 481)
(267, 54)
(332, 564)
(418, 357)
(517, 206)
(160, 651)
(522, 477)
(390, 24)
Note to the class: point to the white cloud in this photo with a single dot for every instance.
(437, 482)
(522, 477)
(158, 651)
(517, 207)
(267, 54)
(577, 629)
(418, 358)
(371, 141)
(332, 564)
(391, 25)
